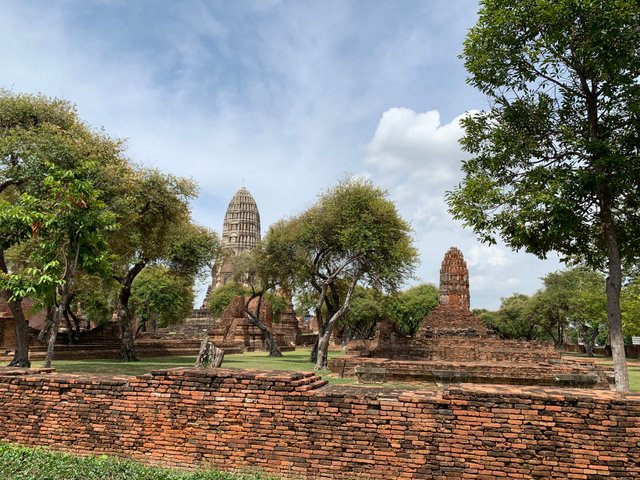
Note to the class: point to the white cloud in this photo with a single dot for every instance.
(481, 256)
(285, 95)
(418, 159)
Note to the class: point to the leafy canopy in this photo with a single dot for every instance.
(561, 136)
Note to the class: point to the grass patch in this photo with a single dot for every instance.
(297, 360)
(23, 463)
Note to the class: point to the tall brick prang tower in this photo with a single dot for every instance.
(454, 281)
(241, 227)
(240, 233)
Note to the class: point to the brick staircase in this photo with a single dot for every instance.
(195, 327)
(145, 348)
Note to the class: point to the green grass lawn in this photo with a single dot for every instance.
(297, 360)
(22, 463)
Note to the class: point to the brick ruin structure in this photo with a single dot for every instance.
(233, 333)
(240, 233)
(453, 344)
(293, 425)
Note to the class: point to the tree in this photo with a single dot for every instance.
(410, 306)
(631, 306)
(155, 227)
(368, 307)
(587, 304)
(353, 234)
(555, 159)
(259, 271)
(27, 124)
(52, 166)
(515, 319)
(75, 222)
(161, 297)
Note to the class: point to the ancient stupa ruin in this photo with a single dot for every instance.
(232, 331)
(453, 345)
(240, 232)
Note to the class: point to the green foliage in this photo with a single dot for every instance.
(23, 463)
(517, 319)
(278, 304)
(354, 230)
(631, 306)
(193, 250)
(572, 303)
(351, 235)
(410, 306)
(555, 159)
(219, 298)
(541, 161)
(577, 298)
(161, 296)
(50, 168)
(155, 220)
(368, 306)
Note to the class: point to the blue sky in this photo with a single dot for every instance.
(286, 97)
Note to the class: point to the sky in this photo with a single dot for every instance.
(285, 97)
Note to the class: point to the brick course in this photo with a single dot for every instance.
(293, 425)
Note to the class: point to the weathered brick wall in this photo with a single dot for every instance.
(453, 348)
(563, 374)
(456, 349)
(290, 424)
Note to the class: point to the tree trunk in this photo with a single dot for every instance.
(21, 353)
(323, 350)
(588, 345)
(127, 347)
(63, 294)
(142, 327)
(319, 322)
(269, 339)
(589, 335)
(614, 284)
(43, 335)
(325, 338)
(67, 321)
(75, 322)
(53, 333)
(58, 314)
(314, 350)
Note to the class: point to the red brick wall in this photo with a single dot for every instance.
(289, 424)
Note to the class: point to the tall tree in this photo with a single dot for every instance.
(53, 164)
(155, 206)
(27, 123)
(555, 160)
(353, 234)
